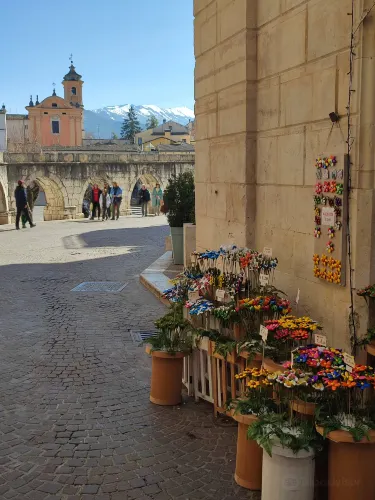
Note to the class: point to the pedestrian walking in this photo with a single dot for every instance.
(157, 198)
(95, 197)
(116, 200)
(109, 191)
(105, 203)
(144, 198)
(21, 204)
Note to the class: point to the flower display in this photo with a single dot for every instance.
(318, 188)
(339, 188)
(327, 187)
(317, 232)
(290, 328)
(199, 307)
(331, 232)
(326, 162)
(265, 303)
(368, 291)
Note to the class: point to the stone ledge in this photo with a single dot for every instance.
(154, 279)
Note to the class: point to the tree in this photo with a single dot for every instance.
(114, 136)
(130, 125)
(152, 122)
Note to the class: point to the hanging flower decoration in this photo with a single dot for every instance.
(331, 232)
(338, 201)
(338, 212)
(330, 247)
(317, 200)
(316, 258)
(318, 220)
(332, 187)
(324, 200)
(318, 188)
(326, 187)
(317, 232)
(317, 211)
(338, 225)
(324, 260)
(340, 188)
(325, 162)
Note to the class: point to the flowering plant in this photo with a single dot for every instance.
(368, 291)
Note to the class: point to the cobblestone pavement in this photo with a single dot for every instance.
(75, 418)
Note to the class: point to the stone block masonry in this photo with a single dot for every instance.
(65, 176)
(268, 73)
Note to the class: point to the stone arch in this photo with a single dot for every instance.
(147, 178)
(55, 207)
(4, 215)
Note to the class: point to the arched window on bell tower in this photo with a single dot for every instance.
(74, 91)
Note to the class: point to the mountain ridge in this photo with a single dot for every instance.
(103, 122)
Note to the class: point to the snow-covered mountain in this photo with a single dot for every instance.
(105, 121)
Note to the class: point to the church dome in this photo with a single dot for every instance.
(72, 76)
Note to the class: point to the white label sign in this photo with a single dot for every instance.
(349, 360)
(264, 279)
(267, 251)
(328, 216)
(320, 340)
(220, 295)
(263, 333)
(349, 369)
(193, 296)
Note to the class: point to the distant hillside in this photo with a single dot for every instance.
(105, 121)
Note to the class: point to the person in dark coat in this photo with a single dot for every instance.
(95, 199)
(21, 204)
(144, 198)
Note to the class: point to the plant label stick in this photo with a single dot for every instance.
(320, 340)
(263, 279)
(263, 333)
(267, 251)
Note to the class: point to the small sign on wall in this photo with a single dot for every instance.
(328, 216)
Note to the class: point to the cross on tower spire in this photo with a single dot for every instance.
(71, 59)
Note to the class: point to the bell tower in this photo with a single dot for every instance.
(73, 86)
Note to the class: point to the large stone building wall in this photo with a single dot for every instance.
(268, 73)
(64, 177)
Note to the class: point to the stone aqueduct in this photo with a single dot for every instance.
(64, 177)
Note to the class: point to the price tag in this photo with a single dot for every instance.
(264, 279)
(320, 340)
(193, 296)
(297, 298)
(267, 251)
(263, 333)
(349, 360)
(349, 369)
(220, 295)
(292, 356)
(328, 216)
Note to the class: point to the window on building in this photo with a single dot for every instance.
(64, 113)
(74, 91)
(46, 112)
(54, 105)
(183, 140)
(55, 126)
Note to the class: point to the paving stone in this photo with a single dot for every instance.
(76, 421)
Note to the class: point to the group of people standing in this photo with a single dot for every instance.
(106, 201)
(145, 197)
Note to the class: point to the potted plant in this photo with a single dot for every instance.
(346, 417)
(255, 402)
(179, 205)
(172, 343)
(289, 448)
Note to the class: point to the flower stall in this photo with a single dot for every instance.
(272, 372)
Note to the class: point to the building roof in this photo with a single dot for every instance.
(17, 117)
(94, 147)
(183, 147)
(72, 76)
(171, 126)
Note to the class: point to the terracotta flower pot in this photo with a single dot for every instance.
(166, 378)
(350, 466)
(271, 366)
(303, 408)
(249, 455)
(288, 476)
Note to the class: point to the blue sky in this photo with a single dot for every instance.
(138, 52)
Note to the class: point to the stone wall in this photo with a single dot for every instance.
(64, 177)
(268, 73)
